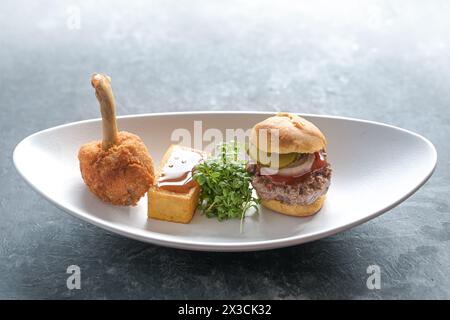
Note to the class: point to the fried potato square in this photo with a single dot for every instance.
(168, 205)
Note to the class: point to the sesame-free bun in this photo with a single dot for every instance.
(294, 209)
(295, 134)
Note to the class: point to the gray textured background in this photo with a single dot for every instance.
(376, 60)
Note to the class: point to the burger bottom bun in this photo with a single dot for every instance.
(295, 209)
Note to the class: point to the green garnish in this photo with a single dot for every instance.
(226, 189)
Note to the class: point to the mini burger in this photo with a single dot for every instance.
(288, 163)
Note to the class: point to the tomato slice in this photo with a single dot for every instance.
(319, 163)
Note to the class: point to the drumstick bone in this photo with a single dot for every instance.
(104, 94)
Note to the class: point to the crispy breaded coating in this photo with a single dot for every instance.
(121, 174)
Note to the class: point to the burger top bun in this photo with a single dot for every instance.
(294, 134)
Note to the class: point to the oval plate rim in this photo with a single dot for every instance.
(164, 240)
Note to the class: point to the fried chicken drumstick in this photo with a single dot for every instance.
(118, 169)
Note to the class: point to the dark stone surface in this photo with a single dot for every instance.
(380, 61)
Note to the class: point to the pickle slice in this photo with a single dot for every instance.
(264, 158)
(258, 155)
(286, 159)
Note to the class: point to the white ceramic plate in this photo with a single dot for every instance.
(375, 167)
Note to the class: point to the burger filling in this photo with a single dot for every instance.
(301, 182)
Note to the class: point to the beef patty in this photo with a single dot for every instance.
(301, 192)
